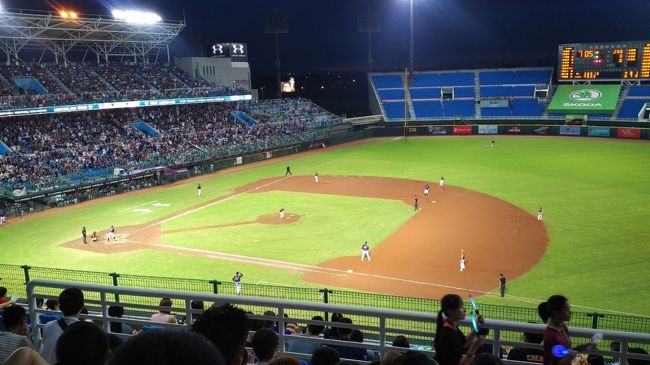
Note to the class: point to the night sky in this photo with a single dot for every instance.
(449, 34)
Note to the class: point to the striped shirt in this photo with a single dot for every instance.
(9, 342)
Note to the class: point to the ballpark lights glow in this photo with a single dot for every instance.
(136, 17)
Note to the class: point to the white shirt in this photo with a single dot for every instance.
(51, 333)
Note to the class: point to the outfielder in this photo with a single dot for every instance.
(540, 213)
(442, 182)
(365, 251)
(281, 213)
(237, 280)
(199, 191)
(316, 176)
(3, 217)
(426, 189)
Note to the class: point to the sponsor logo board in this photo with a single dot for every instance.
(568, 130)
(598, 132)
(437, 130)
(488, 129)
(628, 133)
(541, 130)
(462, 129)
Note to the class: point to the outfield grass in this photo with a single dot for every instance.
(595, 195)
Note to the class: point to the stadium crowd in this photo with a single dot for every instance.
(45, 148)
(228, 335)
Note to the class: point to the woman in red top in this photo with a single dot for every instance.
(556, 311)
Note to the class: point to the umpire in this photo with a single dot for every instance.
(502, 284)
(83, 234)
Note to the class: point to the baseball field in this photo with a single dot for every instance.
(591, 246)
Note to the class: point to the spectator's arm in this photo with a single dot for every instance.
(25, 356)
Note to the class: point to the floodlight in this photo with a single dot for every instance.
(73, 15)
(64, 14)
(136, 17)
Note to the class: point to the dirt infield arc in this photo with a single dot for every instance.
(420, 259)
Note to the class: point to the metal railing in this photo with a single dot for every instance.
(378, 325)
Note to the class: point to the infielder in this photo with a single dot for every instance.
(540, 213)
(281, 213)
(365, 251)
(237, 280)
(492, 144)
(111, 234)
(415, 203)
(3, 217)
(442, 182)
(199, 191)
(316, 176)
(462, 260)
(426, 189)
(288, 172)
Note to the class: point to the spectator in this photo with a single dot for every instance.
(82, 343)
(285, 360)
(615, 346)
(52, 304)
(16, 334)
(227, 328)
(164, 315)
(389, 358)
(414, 358)
(638, 350)
(313, 331)
(167, 348)
(25, 356)
(401, 341)
(325, 356)
(71, 303)
(528, 354)
(348, 352)
(556, 312)
(486, 359)
(265, 345)
(449, 341)
(4, 301)
(117, 311)
(595, 360)
(357, 336)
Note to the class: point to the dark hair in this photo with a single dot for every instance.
(356, 335)
(315, 329)
(341, 331)
(336, 317)
(325, 356)
(167, 348)
(13, 316)
(165, 302)
(401, 341)
(447, 303)
(268, 323)
(51, 304)
(265, 343)
(596, 360)
(71, 301)
(554, 304)
(82, 343)
(226, 327)
(3, 291)
(533, 337)
(486, 359)
(116, 311)
(285, 360)
(414, 358)
(637, 350)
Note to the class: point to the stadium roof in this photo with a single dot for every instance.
(28, 30)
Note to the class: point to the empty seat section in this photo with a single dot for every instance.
(533, 77)
(526, 107)
(395, 110)
(391, 94)
(528, 91)
(631, 108)
(463, 92)
(496, 77)
(428, 93)
(425, 79)
(496, 91)
(456, 79)
(386, 81)
(639, 91)
(495, 112)
(459, 108)
(427, 109)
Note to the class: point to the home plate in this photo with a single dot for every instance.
(433, 201)
(349, 270)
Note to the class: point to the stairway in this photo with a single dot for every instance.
(619, 103)
(57, 80)
(477, 94)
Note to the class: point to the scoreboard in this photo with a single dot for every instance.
(604, 61)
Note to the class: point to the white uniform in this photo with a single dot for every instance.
(540, 214)
(462, 264)
(237, 280)
(442, 182)
(281, 213)
(365, 252)
(316, 177)
(426, 190)
(199, 191)
(111, 234)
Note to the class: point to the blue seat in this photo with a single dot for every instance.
(45, 318)
(150, 328)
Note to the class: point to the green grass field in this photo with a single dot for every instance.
(595, 194)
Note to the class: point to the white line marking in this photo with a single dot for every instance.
(398, 138)
(137, 206)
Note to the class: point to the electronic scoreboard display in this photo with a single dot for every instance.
(604, 61)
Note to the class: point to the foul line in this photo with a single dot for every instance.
(137, 206)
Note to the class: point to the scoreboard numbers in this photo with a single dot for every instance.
(604, 61)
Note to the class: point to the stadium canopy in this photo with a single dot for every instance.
(105, 37)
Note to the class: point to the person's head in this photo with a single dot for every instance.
(596, 360)
(336, 317)
(14, 318)
(116, 311)
(637, 350)
(315, 329)
(167, 348)
(615, 346)
(3, 291)
(414, 358)
(71, 301)
(401, 341)
(268, 323)
(451, 309)
(342, 331)
(486, 359)
(556, 308)
(389, 357)
(166, 303)
(52, 304)
(500, 275)
(82, 343)
(285, 360)
(356, 335)
(533, 337)
(325, 356)
(265, 344)
(226, 327)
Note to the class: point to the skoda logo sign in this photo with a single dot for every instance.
(586, 95)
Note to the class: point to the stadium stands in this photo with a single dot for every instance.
(631, 104)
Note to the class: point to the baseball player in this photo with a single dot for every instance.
(111, 234)
(237, 280)
(365, 251)
(426, 189)
(94, 236)
(540, 213)
(199, 191)
(462, 260)
(415, 203)
(83, 234)
(442, 182)
(492, 144)
(3, 217)
(288, 171)
(281, 213)
(316, 176)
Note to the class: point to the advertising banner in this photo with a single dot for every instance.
(599, 132)
(585, 99)
(567, 130)
(541, 130)
(435, 130)
(495, 103)
(514, 130)
(488, 129)
(628, 133)
(462, 129)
